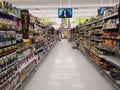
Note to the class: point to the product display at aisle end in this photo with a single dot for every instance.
(99, 41)
(18, 58)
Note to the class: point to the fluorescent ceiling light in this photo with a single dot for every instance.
(75, 6)
(57, 10)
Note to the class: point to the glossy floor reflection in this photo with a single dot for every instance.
(67, 69)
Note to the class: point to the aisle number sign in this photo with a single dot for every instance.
(25, 19)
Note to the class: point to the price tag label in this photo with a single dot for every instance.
(6, 59)
(119, 51)
(13, 67)
(5, 72)
(0, 50)
(5, 36)
(1, 25)
(10, 79)
(9, 48)
(5, 49)
(13, 27)
(2, 62)
(8, 26)
(8, 36)
(27, 74)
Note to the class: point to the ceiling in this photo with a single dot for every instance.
(49, 8)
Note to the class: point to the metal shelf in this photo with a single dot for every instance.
(96, 27)
(118, 82)
(28, 73)
(8, 46)
(41, 48)
(110, 28)
(81, 32)
(40, 25)
(96, 40)
(110, 37)
(8, 69)
(86, 36)
(8, 27)
(97, 33)
(112, 59)
(21, 84)
(104, 48)
(8, 81)
(22, 57)
(104, 18)
(94, 22)
(86, 48)
(5, 12)
(19, 70)
(95, 53)
(22, 49)
(111, 49)
(110, 16)
(16, 87)
(115, 83)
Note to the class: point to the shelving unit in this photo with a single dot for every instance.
(8, 48)
(39, 49)
(99, 42)
(19, 59)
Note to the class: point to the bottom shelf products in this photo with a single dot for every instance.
(12, 84)
(115, 73)
(24, 72)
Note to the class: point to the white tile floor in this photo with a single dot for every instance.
(67, 69)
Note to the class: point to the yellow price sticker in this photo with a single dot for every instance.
(119, 37)
(8, 48)
(2, 62)
(8, 36)
(5, 49)
(5, 35)
(0, 50)
(1, 26)
(6, 60)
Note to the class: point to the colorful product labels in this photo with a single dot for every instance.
(7, 38)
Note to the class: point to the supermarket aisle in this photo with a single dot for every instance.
(67, 69)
